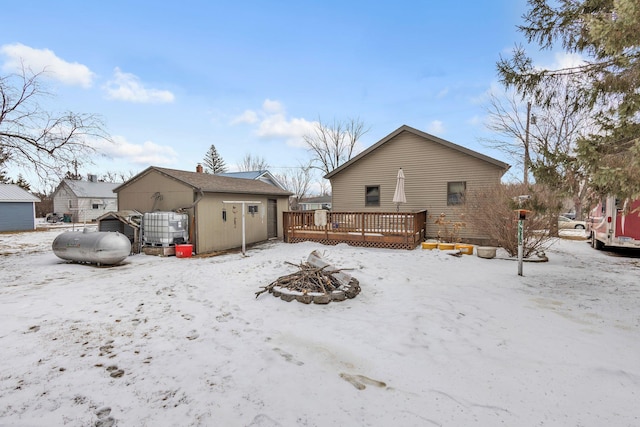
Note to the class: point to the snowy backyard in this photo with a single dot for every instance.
(431, 340)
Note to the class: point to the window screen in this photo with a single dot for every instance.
(455, 192)
(372, 195)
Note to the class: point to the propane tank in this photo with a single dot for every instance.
(95, 247)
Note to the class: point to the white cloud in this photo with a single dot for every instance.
(144, 154)
(272, 107)
(442, 93)
(567, 60)
(476, 120)
(37, 60)
(127, 87)
(436, 127)
(272, 122)
(248, 116)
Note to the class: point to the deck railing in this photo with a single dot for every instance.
(401, 230)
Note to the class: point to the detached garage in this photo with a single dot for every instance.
(216, 206)
(17, 208)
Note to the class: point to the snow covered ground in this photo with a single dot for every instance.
(432, 340)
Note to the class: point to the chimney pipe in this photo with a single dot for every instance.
(199, 168)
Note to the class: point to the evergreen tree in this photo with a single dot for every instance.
(213, 162)
(4, 179)
(607, 34)
(22, 183)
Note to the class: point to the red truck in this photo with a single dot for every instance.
(615, 223)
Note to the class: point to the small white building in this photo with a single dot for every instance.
(85, 201)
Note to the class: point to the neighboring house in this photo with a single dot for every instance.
(17, 208)
(84, 200)
(437, 173)
(263, 175)
(315, 203)
(213, 203)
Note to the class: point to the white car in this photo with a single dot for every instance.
(564, 223)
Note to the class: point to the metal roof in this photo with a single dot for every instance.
(244, 175)
(14, 193)
(98, 190)
(262, 175)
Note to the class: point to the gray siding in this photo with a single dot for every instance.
(428, 166)
(17, 216)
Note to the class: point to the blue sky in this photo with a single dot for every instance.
(171, 78)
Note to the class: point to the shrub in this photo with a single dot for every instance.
(493, 210)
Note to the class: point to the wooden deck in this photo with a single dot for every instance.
(397, 230)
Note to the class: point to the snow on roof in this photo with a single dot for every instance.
(14, 193)
(101, 190)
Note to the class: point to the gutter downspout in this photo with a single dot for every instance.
(192, 229)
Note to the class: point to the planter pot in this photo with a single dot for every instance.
(486, 252)
(464, 248)
(429, 245)
(446, 246)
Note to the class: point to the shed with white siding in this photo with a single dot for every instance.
(85, 201)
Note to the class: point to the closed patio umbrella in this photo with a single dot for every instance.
(399, 196)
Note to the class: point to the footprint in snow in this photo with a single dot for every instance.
(288, 357)
(105, 422)
(103, 412)
(224, 317)
(114, 372)
(360, 381)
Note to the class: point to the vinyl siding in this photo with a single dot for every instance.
(428, 167)
(139, 194)
(81, 208)
(17, 216)
(209, 232)
(213, 233)
(61, 200)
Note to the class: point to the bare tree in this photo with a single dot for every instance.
(38, 140)
(334, 144)
(251, 163)
(507, 118)
(325, 187)
(298, 181)
(501, 225)
(116, 177)
(543, 140)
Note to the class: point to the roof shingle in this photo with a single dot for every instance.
(215, 183)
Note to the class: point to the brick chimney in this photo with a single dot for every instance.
(199, 168)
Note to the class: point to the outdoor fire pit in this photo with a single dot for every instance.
(316, 282)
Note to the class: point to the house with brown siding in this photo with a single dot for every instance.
(437, 175)
(212, 202)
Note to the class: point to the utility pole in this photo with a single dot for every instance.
(525, 179)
